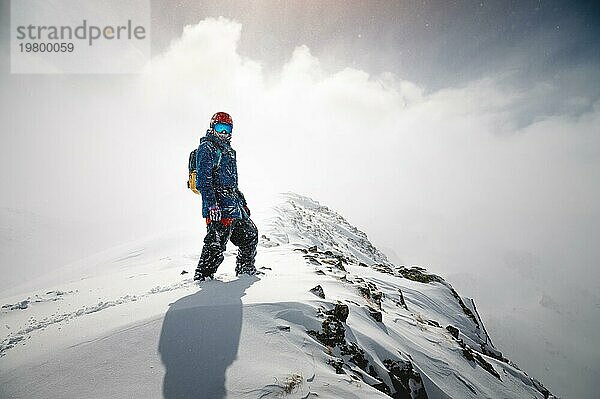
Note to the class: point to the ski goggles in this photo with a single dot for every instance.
(223, 127)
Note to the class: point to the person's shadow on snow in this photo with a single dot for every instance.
(200, 337)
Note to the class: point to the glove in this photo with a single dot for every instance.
(214, 213)
(247, 210)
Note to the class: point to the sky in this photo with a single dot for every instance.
(460, 136)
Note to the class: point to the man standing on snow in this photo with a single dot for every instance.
(223, 204)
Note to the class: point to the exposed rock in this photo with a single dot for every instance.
(382, 387)
(333, 332)
(312, 260)
(418, 274)
(355, 354)
(326, 257)
(453, 331)
(464, 307)
(402, 301)
(337, 364)
(433, 323)
(421, 319)
(375, 314)
(370, 292)
(383, 268)
(495, 353)
(340, 312)
(475, 357)
(318, 291)
(19, 305)
(542, 389)
(406, 381)
(266, 242)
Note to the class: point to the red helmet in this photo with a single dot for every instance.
(221, 117)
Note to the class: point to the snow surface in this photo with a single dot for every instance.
(126, 323)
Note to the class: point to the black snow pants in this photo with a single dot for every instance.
(243, 234)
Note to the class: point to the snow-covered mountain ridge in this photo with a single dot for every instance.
(331, 318)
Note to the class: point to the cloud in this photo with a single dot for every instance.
(422, 159)
(203, 64)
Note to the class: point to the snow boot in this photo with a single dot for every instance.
(199, 276)
(215, 243)
(245, 237)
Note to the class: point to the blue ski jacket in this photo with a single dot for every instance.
(217, 178)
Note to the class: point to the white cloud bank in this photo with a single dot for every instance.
(456, 153)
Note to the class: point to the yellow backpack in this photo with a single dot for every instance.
(191, 182)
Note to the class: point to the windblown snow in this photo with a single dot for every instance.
(330, 318)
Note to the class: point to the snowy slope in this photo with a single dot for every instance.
(331, 318)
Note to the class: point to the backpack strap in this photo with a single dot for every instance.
(219, 150)
(192, 160)
(218, 164)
